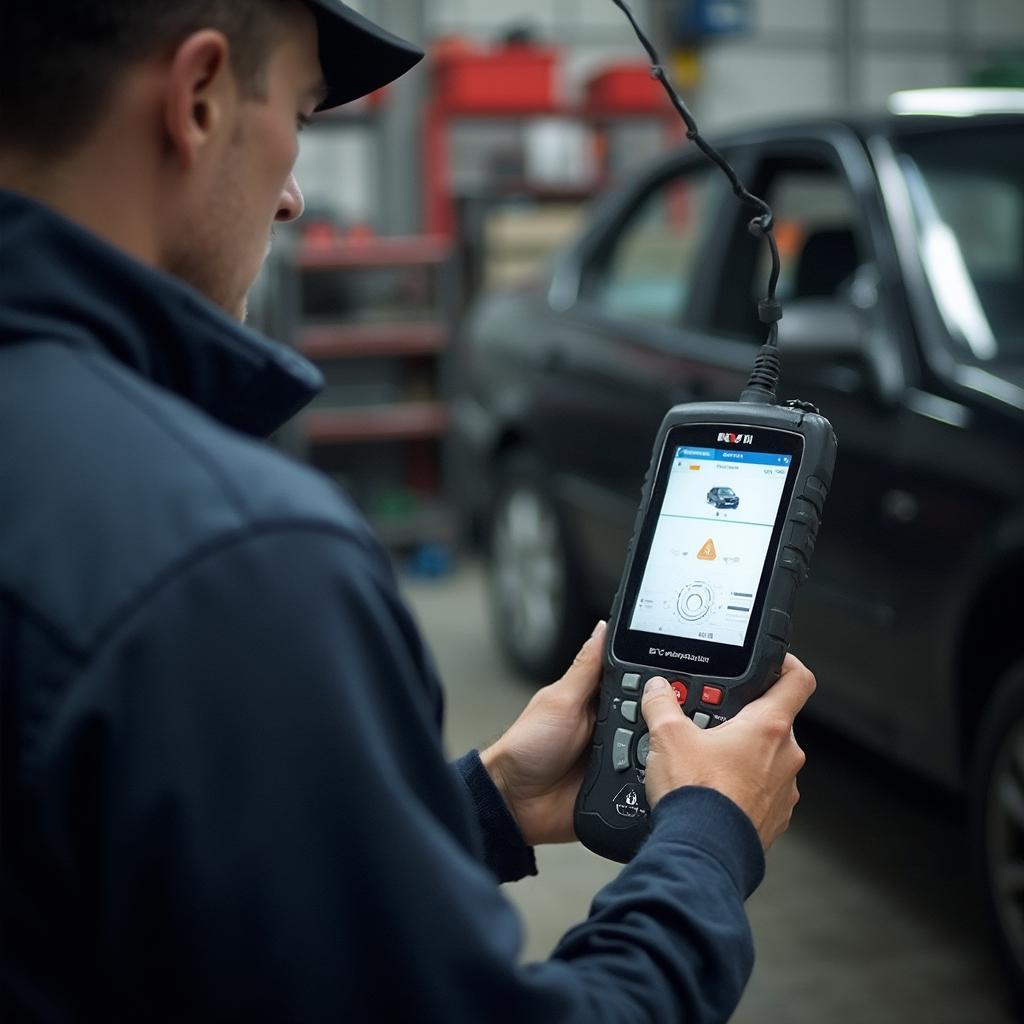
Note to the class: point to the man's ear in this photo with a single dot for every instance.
(201, 94)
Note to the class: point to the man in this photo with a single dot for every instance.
(224, 795)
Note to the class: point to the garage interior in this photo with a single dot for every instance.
(466, 175)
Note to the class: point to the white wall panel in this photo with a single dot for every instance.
(795, 15)
(603, 13)
(921, 18)
(334, 172)
(997, 21)
(740, 84)
(564, 20)
(886, 73)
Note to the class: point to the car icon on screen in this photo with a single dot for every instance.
(723, 497)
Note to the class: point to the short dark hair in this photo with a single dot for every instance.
(61, 59)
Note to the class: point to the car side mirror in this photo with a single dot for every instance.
(833, 342)
(822, 330)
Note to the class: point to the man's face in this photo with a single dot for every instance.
(245, 182)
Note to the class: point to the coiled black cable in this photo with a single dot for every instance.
(765, 375)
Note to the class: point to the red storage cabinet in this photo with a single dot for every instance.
(512, 78)
(626, 88)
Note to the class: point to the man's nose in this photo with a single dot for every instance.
(291, 204)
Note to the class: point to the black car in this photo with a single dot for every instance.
(902, 244)
(723, 497)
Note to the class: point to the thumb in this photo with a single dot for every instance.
(659, 704)
(584, 675)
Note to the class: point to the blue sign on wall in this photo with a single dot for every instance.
(714, 17)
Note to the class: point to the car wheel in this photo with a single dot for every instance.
(997, 812)
(535, 588)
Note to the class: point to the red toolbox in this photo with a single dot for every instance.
(626, 88)
(513, 78)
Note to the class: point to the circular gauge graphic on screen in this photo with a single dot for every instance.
(694, 601)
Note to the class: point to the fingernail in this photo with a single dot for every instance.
(655, 684)
(597, 628)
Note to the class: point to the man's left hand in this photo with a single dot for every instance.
(538, 764)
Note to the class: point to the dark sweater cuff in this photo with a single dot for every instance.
(505, 851)
(707, 819)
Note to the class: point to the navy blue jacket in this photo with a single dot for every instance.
(224, 795)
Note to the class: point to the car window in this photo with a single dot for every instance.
(646, 269)
(815, 221)
(968, 194)
(816, 230)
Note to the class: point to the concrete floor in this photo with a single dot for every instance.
(867, 913)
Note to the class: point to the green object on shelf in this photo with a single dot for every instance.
(391, 505)
(1009, 73)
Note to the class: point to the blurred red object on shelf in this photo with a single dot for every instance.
(319, 233)
(626, 88)
(517, 76)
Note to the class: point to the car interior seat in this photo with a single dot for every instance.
(829, 258)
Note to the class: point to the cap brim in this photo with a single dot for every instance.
(357, 56)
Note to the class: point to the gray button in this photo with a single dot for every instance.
(628, 710)
(643, 748)
(631, 682)
(701, 720)
(620, 749)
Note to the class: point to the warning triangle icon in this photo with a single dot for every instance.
(708, 552)
(627, 803)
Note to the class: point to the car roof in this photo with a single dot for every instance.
(865, 124)
(909, 112)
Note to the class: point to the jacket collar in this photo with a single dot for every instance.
(62, 283)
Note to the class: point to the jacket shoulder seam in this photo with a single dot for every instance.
(147, 408)
(46, 623)
(137, 602)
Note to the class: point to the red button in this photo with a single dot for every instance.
(681, 692)
(711, 695)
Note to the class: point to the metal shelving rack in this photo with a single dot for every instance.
(398, 438)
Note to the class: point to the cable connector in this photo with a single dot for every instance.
(796, 403)
(765, 374)
(764, 377)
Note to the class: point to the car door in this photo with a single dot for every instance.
(837, 286)
(618, 328)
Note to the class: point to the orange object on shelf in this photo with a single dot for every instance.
(514, 77)
(319, 234)
(385, 339)
(626, 88)
(406, 421)
(374, 251)
(360, 233)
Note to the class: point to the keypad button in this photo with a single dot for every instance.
(643, 748)
(681, 691)
(701, 720)
(711, 695)
(628, 710)
(631, 682)
(620, 749)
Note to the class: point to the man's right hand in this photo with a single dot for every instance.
(753, 758)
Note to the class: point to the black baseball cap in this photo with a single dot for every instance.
(357, 56)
